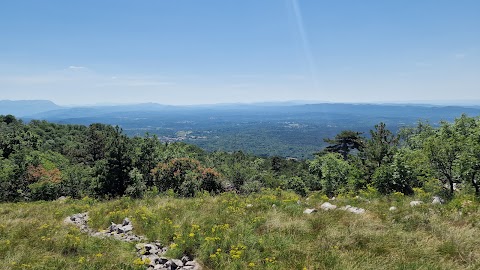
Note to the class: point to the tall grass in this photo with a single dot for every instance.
(261, 231)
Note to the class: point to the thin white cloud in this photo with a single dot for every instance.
(76, 67)
(459, 56)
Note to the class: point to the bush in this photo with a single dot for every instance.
(210, 181)
(395, 176)
(190, 186)
(186, 176)
(251, 187)
(8, 187)
(297, 185)
(45, 191)
(137, 187)
(333, 172)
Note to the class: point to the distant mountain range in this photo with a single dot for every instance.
(45, 109)
(292, 129)
(150, 113)
(22, 108)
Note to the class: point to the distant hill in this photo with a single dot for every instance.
(289, 129)
(21, 108)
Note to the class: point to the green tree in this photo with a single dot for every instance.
(76, 181)
(11, 131)
(396, 176)
(443, 149)
(8, 186)
(415, 137)
(333, 172)
(99, 137)
(379, 148)
(148, 156)
(296, 184)
(469, 158)
(113, 171)
(137, 186)
(345, 142)
(186, 176)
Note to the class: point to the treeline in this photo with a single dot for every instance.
(43, 161)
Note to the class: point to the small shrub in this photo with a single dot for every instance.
(297, 185)
(251, 187)
(137, 187)
(45, 191)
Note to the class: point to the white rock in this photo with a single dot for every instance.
(392, 208)
(352, 209)
(125, 229)
(68, 220)
(309, 210)
(113, 227)
(328, 206)
(437, 200)
(150, 249)
(415, 203)
(139, 246)
(249, 205)
(177, 262)
(357, 210)
(126, 221)
(185, 259)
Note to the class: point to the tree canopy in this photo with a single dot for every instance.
(43, 161)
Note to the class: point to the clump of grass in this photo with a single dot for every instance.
(33, 236)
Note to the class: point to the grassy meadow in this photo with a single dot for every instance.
(267, 230)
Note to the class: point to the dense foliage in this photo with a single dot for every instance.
(43, 161)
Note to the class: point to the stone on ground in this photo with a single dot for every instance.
(309, 210)
(328, 206)
(437, 200)
(352, 209)
(415, 203)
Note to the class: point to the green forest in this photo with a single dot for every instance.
(44, 161)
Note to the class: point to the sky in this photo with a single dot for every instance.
(230, 51)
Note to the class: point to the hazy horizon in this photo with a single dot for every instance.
(210, 52)
(270, 102)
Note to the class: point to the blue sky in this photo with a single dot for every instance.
(202, 52)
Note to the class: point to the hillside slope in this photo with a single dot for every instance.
(261, 231)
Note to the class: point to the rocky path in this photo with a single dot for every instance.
(152, 254)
